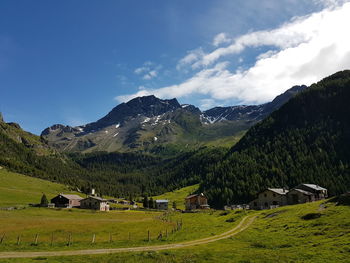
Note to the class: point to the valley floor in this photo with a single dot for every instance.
(314, 232)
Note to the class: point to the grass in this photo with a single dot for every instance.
(314, 232)
(279, 235)
(19, 190)
(178, 196)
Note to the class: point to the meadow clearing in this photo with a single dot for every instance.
(312, 232)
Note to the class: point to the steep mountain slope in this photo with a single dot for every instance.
(306, 141)
(114, 174)
(145, 122)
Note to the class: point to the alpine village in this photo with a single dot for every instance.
(251, 165)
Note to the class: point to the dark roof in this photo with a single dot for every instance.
(97, 198)
(194, 195)
(71, 197)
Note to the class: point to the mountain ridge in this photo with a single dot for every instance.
(146, 121)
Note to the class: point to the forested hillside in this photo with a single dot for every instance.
(306, 141)
(115, 174)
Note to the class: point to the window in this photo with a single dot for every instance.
(265, 195)
(274, 195)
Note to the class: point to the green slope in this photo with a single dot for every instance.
(178, 196)
(17, 189)
(306, 141)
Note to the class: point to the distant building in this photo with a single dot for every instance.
(95, 203)
(298, 196)
(270, 198)
(274, 197)
(196, 201)
(162, 204)
(68, 201)
(319, 192)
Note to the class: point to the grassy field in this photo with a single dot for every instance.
(128, 228)
(313, 232)
(17, 189)
(178, 196)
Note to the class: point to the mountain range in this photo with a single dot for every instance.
(145, 122)
(305, 140)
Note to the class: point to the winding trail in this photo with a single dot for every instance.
(245, 223)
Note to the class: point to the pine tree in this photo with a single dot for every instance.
(145, 202)
(44, 202)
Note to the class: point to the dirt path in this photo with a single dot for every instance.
(245, 223)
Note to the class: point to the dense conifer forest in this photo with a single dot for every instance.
(306, 141)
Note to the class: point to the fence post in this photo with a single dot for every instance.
(36, 239)
(149, 236)
(110, 238)
(129, 236)
(51, 243)
(2, 238)
(69, 239)
(18, 240)
(93, 238)
(166, 233)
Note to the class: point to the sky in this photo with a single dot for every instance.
(71, 62)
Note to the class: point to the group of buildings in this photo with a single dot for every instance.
(269, 198)
(275, 197)
(74, 201)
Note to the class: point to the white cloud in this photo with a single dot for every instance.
(303, 51)
(220, 39)
(149, 70)
(191, 57)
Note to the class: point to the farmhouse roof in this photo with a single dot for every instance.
(280, 191)
(97, 198)
(162, 201)
(314, 186)
(194, 195)
(72, 197)
(302, 191)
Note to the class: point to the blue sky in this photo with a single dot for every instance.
(71, 62)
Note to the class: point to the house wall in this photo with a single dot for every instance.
(296, 197)
(91, 203)
(60, 201)
(268, 199)
(162, 206)
(319, 194)
(195, 202)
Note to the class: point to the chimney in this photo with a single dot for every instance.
(93, 192)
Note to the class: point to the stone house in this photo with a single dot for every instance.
(270, 198)
(318, 191)
(162, 204)
(196, 201)
(67, 201)
(95, 203)
(298, 196)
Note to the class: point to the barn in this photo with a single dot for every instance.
(68, 201)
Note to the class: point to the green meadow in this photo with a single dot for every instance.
(178, 196)
(313, 232)
(316, 232)
(20, 190)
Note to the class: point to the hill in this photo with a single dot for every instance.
(306, 141)
(17, 189)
